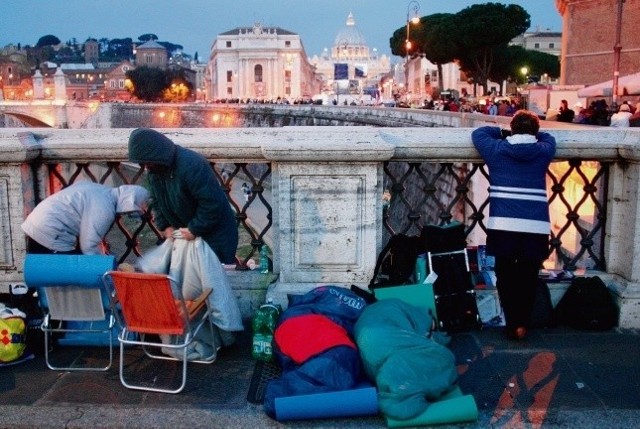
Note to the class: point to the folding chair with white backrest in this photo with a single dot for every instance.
(153, 304)
(75, 304)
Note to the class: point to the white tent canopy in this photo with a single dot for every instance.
(627, 85)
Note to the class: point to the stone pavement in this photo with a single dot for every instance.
(558, 378)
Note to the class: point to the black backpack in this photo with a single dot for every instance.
(396, 262)
(588, 305)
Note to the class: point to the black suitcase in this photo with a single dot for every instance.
(454, 292)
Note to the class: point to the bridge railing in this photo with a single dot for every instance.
(325, 199)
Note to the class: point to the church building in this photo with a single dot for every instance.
(259, 63)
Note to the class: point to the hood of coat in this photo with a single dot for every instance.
(147, 146)
(130, 198)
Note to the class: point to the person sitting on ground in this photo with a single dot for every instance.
(76, 219)
(518, 226)
(621, 118)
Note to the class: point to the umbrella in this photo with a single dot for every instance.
(627, 85)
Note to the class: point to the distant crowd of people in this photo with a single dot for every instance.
(600, 113)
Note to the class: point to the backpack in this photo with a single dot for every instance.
(588, 305)
(397, 261)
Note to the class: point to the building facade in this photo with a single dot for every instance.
(259, 63)
(592, 29)
(151, 54)
(359, 69)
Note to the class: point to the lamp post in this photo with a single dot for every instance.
(415, 7)
(616, 55)
(89, 81)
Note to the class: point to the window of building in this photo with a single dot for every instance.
(287, 75)
(229, 91)
(287, 43)
(536, 45)
(112, 84)
(257, 73)
(121, 83)
(228, 43)
(552, 45)
(148, 58)
(229, 75)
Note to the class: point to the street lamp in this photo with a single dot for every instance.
(616, 56)
(525, 73)
(89, 81)
(415, 7)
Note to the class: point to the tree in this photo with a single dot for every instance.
(48, 40)
(436, 47)
(146, 37)
(154, 84)
(476, 37)
(482, 32)
(149, 83)
(427, 38)
(179, 89)
(512, 59)
(119, 49)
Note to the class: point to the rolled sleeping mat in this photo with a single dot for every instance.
(66, 270)
(453, 407)
(344, 403)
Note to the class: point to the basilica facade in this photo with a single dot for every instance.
(351, 69)
(270, 63)
(259, 63)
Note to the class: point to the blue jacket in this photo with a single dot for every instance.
(517, 177)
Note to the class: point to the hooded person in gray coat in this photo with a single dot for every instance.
(76, 218)
(185, 192)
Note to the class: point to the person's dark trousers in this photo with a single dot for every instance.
(34, 247)
(516, 280)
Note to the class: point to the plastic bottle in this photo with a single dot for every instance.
(264, 259)
(264, 325)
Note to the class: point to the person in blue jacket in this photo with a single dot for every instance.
(185, 193)
(518, 226)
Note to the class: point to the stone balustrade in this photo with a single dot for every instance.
(326, 193)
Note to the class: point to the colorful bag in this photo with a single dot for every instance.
(13, 334)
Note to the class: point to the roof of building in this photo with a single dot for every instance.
(151, 44)
(258, 29)
(349, 35)
(553, 34)
(77, 67)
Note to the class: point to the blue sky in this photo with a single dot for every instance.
(194, 24)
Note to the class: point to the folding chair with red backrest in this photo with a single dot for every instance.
(148, 304)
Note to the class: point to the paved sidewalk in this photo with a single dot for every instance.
(559, 378)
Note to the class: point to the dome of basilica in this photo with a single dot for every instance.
(350, 35)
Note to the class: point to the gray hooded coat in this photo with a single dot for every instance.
(81, 213)
(187, 194)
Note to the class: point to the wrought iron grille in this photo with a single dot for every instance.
(416, 193)
(131, 234)
(420, 193)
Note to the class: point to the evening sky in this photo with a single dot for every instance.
(194, 24)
